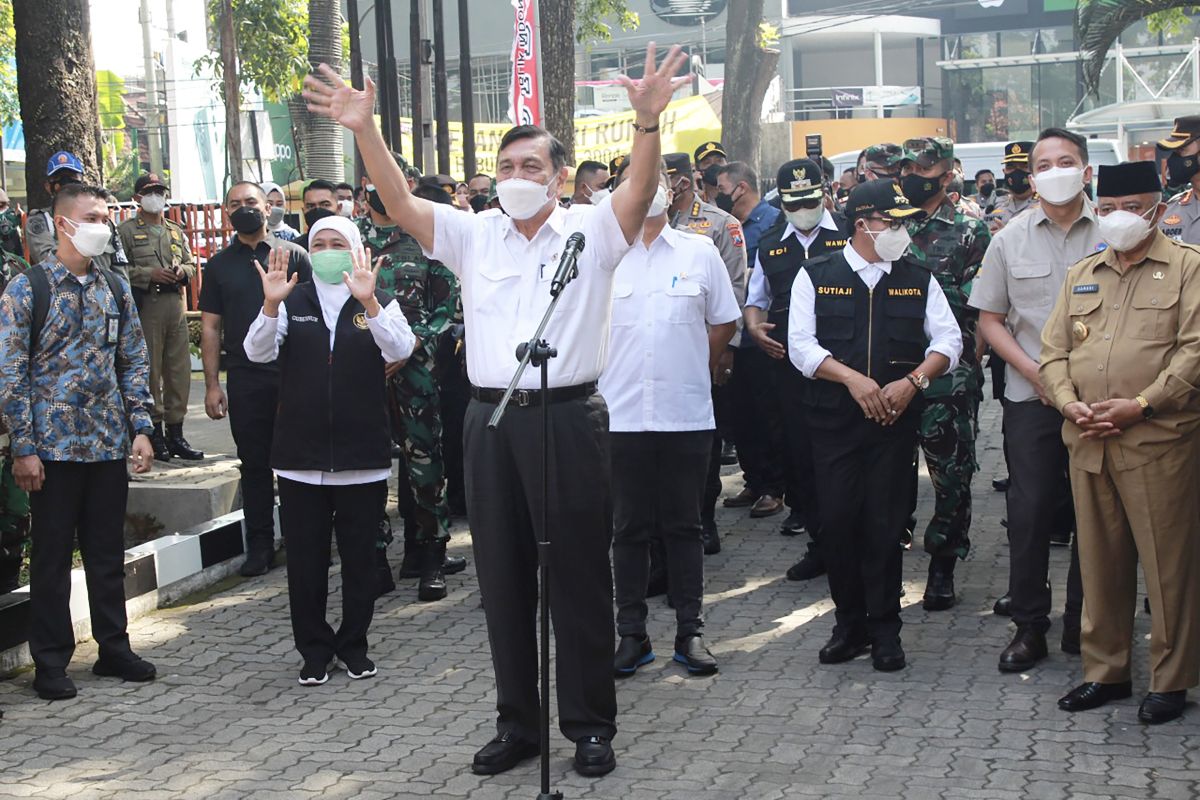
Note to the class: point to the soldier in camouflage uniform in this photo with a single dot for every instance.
(951, 245)
(882, 161)
(14, 502)
(428, 293)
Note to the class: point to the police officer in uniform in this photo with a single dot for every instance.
(1020, 190)
(689, 212)
(428, 294)
(160, 269)
(807, 230)
(870, 328)
(1182, 218)
(40, 236)
(1121, 361)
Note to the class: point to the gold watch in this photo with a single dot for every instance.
(919, 380)
(1147, 409)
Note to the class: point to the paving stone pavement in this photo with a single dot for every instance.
(226, 718)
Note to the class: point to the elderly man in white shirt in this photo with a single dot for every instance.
(331, 450)
(674, 312)
(873, 329)
(506, 262)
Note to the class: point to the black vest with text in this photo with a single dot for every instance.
(333, 412)
(878, 332)
(782, 259)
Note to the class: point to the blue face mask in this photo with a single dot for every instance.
(328, 266)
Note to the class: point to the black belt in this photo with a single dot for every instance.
(523, 398)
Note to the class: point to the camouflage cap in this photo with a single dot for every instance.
(410, 172)
(884, 155)
(928, 151)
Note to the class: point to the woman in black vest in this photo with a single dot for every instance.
(332, 447)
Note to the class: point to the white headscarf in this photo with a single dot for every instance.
(269, 187)
(343, 226)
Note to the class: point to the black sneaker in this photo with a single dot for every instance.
(53, 686)
(793, 525)
(130, 668)
(1060, 539)
(314, 673)
(358, 667)
(632, 652)
(691, 652)
(809, 567)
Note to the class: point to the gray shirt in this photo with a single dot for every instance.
(1181, 220)
(1022, 274)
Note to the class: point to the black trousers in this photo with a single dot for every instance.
(861, 470)
(1039, 504)
(84, 500)
(798, 455)
(757, 428)
(310, 515)
(253, 395)
(504, 496)
(657, 479)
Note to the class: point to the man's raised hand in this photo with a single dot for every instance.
(328, 95)
(650, 95)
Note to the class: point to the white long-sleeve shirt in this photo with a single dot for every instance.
(390, 330)
(806, 352)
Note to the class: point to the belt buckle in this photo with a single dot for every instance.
(524, 398)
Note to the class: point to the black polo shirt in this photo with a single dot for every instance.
(232, 288)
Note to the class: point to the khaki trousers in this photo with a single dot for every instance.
(1150, 514)
(166, 332)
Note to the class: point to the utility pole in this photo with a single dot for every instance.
(356, 74)
(416, 57)
(466, 86)
(153, 113)
(441, 102)
(172, 101)
(430, 146)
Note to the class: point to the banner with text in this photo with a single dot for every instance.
(525, 98)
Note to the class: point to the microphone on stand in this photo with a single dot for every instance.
(567, 270)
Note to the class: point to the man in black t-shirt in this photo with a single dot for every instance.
(230, 299)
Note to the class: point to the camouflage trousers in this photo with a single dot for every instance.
(417, 428)
(947, 437)
(14, 525)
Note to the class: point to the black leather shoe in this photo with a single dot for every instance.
(433, 580)
(179, 446)
(728, 454)
(502, 754)
(793, 525)
(1000, 484)
(159, 443)
(1160, 707)
(809, 567)
(843, 646)
(258, 561)
(454, 565)
(887, 655)
(709, 537)
(632, 652)
(129, 668)
(1087, 696)
(939, 588)
(1024, 651)
(594, 756)
(56, 686)
(1070, 639)
(691, 652)
(1003, 606)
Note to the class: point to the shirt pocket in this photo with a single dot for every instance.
(1030, 285)
(682, 303)
(497, 291)
(1155, 314)
(624, 305)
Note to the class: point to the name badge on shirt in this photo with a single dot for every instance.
(112, 328)
(1085, 288)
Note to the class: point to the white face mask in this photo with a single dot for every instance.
(598, 195)
(1059, 185)
(154, 203)
(658, 205)
(1123, 230)
(345, 208)
(806, 218)
(275, 218)
(90, 238)
(891, 244)
(521, 198)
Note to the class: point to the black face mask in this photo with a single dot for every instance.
(861, 177)
(1018, 181)
(247, 220)
(1180, 169)
(313, 215)
(919, 190)
(479, 203)
(376, 203)
(986, 189)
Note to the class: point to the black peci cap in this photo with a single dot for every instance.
(1133, 177)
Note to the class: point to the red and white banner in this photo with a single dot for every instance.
(525, 93)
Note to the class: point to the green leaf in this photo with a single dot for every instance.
(592, 19)
(272, 46)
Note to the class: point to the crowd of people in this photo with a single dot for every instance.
(824, 340)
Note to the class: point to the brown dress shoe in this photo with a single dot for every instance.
(766, 506)
(740, 500)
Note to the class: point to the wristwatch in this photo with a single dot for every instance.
(919, 380)
(1147, 409)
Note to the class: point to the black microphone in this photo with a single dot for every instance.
(567, 271)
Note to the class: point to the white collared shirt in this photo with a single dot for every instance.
(758, 294)
(664, 299)
(390, 330)
(945, 336)
(506, 288)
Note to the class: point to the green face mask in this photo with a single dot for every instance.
(330, 265)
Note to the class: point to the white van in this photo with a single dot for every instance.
(987, 155)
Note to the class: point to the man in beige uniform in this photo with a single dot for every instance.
(161, 265)
(1121, 361)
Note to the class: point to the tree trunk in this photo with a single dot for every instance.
(556, 28)
(233, 99)
(323, 148)
(56, 84)
(748, 72)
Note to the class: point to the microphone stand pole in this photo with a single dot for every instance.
(538, 353)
